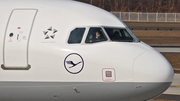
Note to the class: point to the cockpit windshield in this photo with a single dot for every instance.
(101, 34)
(95, 34)
(119, 34)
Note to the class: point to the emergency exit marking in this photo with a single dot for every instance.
(19, 25)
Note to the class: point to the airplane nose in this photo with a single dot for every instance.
(152, 73)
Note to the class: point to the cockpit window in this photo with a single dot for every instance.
(119, 34)
(76, 36)
(95, 34)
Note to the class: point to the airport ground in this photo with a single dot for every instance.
(161, 34)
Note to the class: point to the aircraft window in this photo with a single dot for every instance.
(76, 35)
(117, 34)
(95, 35)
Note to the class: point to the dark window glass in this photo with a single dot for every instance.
(116, 34)
(76, 35)
(95, 35)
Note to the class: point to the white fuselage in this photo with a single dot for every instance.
(39, 64)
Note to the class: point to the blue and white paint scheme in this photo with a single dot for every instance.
(63, 50)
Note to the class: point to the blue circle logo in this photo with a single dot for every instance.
(74, 63)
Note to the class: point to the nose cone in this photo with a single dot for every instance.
(152, 73)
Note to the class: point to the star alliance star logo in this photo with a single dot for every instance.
(50, 33)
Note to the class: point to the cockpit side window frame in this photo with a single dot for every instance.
(87, 29)
(85, 35)
(132, 34)
(135, 39)
(69, 35)
(104, 34)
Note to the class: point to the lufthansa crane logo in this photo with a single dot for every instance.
(74, 63)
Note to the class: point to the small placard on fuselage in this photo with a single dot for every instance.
(108, 75)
